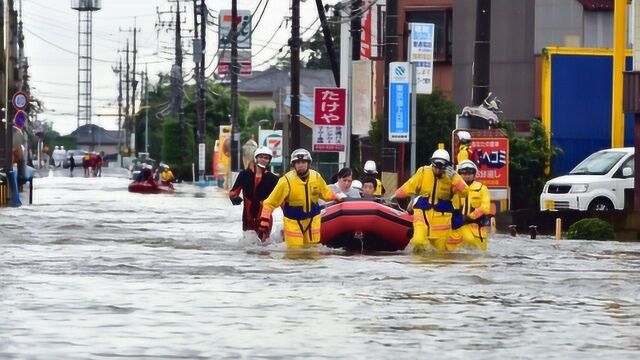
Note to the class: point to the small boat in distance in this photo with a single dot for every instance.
(365, 225)
(150, 187)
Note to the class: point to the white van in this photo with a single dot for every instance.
(599, 182)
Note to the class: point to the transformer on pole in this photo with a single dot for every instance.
(85, 10)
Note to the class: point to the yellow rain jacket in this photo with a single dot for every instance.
(378, 191)
(433, 209)
(474, 208)
(300, 206)
(464, 153)
(166, 176)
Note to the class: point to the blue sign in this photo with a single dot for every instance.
(399, 106)
(20, 119)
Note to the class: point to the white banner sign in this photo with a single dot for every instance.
(421, 42)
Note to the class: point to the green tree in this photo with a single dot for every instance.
(315, 49)
(435, 120)
(252, 123)
(177, 155)
(528, 159)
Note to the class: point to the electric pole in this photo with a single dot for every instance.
(294, 45)
(134, 84)
(198, 58)
(127, 116)
(236, 162)
(482, 53)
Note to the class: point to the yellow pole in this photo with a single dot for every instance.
(619, 46)
(546, 101)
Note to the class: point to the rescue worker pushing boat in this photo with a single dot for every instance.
(256, 183)
(299, 191)
(435, 184)
(474, 209)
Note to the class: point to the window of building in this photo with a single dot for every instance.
(443, 21)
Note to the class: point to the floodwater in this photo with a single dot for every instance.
(92, 271)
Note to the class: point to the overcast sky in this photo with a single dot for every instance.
(51, 42)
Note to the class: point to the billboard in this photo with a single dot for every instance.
(329, 119)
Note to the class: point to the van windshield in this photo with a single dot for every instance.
(598, 163)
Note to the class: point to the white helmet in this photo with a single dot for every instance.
(300, 154)
(440, 158)
(356, 184)
(464, 137)
(467, 165)
(61, 147)
(263, 151)
(370, 167)
(57, 147)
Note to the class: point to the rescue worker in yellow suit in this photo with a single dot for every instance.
(465, 151)
(298, 191)
(470, 221)
(370, 170)
(436, 184)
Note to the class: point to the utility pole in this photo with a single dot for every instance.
(391, 53)
(328, 41)
(146, 110)
(482, 53)
(176, 75)
(294, 45)
(127, 116)
(356, 29)
(198, 58)
(120, 109)
(236, 162)
(134, 84)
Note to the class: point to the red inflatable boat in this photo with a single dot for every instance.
(150, 187)
(365, 225)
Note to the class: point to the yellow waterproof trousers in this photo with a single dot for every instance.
(474, 235)
(302, 233)
(431, 227)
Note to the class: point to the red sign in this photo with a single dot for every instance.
(493, 159)
(329, 119)
(245, 68)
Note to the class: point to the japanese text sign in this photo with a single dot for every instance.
(329, 119)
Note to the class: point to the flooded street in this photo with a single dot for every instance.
(92, 271)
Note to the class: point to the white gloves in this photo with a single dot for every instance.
(450, 172)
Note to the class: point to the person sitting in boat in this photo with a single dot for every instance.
(146, 174)
(299, 190)
(470, 222)
(256, 183)
(343, 185)
(369, 185)
(166, 175)
(371, 170)
(435, 184)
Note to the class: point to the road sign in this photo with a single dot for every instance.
(20, 119)
(399, 109)
(20, 100)
(421, 43)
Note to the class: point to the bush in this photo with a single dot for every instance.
(177, 155)
(591, 229)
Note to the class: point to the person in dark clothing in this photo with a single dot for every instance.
(72, 164)
(256, 183)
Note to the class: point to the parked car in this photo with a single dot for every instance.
(599, 182)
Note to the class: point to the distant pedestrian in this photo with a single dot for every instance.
(72, 164)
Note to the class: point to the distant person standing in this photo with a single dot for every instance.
(72, 164)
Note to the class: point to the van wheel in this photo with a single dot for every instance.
(601, 204)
